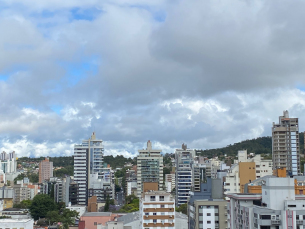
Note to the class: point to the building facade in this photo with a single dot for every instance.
(88, 159)
(149, 168)
(276, 207)
(285, 144)
(45, 170)
(184, 175)
(157, 210)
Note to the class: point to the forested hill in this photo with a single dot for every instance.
(262, 145)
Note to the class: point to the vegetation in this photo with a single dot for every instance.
(41, 205)
(107, 204)
(262, 145)
(64, 216)
(182, 208)
(57, 161)
(117, 162)
(33, 177)
(132, 204)
(68, 170)
(25, 204)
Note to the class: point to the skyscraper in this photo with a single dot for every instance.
(149, 168)
(184, 175)
(88, 159)
(285, 144)
(45, 170)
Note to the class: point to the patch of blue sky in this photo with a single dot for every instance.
(158, 15)
(301, 87)
(7, 73)
(88, 14)
(81, 70)
(56, 108)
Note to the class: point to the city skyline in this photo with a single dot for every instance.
(133, 71)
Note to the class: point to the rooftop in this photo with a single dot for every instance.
(88, 214)
(15, 220)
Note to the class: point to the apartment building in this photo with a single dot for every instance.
(157, 210)
(277, 206)
(245, 171)
(88, 159)
(285, 144)
(45, 170)
(207, 208)
(149, 167)
(184, 159)
(170, 181)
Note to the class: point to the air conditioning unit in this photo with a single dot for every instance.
(170, 216)
(155, 223)
(146, 216)
(146, 224)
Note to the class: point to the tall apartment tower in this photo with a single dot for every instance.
(88, 159)
(149, 168)
(184, 175)
(45, 170)
(285, 144)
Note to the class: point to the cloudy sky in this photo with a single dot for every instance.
(206, 73)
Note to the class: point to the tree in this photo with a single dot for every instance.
(65, 216)
(25, 204)
(182, 208)
(41, 205)
(106, 208)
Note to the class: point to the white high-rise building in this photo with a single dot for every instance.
(149, 167)
(184, 174)
(285, 144)
(88, 159)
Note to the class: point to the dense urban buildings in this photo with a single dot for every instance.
(285, 144)
(45, 170)
(184, 176)
(149, 168)
(88, 159)
(277, 206)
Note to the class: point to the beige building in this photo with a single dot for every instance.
(208, 214)
(45, 170)
(285, 144)
(149, 168)
(157, 210)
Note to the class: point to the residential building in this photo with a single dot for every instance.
(45, 170)
(95, 220)
(285, 144)
(88, 159)
(61, 190)
(6, 197)
(245, 171)
(170, 181)
(133, 220)
(17, 223)
(157, 209)
(149, 167)
(277, 206)
(207, 208)
(184, 174)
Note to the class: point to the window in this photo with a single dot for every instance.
(208, 222)
(161, 198)
(146, 213)
(162, 206)
(154, 213)
(208, 214)
(95, 223)
(152, 198)
(154, 220)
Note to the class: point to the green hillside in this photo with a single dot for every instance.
(262, 145)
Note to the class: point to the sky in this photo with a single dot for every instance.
(205, 73)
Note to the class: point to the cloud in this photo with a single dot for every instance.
(205, 73)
